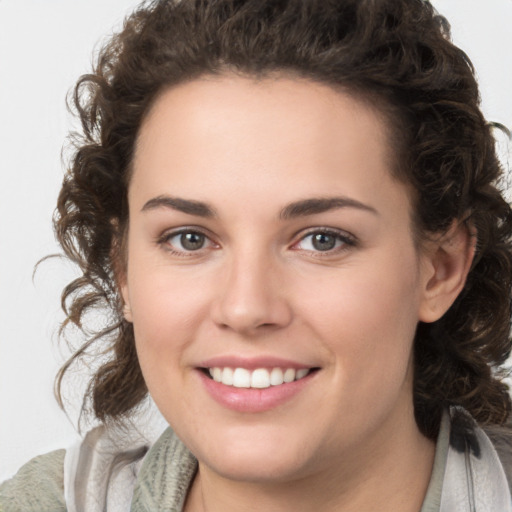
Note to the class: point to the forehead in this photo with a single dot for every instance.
(212, 102)
(275, 133)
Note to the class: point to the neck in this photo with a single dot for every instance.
(389, 473)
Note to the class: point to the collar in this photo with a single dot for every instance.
(467, 475)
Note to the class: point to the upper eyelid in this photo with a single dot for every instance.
(168, 234)
(348, 241)
(323, 229)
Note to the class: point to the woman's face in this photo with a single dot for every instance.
(269, 245)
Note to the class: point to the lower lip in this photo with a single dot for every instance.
(251, 399)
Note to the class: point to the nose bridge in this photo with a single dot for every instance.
(250, 296)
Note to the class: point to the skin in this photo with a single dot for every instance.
(259, 287)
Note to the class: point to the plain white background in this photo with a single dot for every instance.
(45, 45)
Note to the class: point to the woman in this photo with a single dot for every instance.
(290, 211)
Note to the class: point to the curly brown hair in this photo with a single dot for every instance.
(396, 54)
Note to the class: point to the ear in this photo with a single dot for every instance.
(118, 262)
(127, 310)
(447, 261)
(122, 286)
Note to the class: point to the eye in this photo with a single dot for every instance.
(189, 241)
(185, 241)
(324, 241)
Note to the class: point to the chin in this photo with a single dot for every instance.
(260, 457)
(258, 469)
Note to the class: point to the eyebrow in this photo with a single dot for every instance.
(188, 206)
(293, 210)
(320, 205)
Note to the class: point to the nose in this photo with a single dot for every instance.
(251, 298)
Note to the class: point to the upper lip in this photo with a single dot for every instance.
(252, 363)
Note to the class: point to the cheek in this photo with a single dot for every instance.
(368, 319)
(165, 317)
(165, 327)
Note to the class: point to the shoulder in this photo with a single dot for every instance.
(501, 438)
(38, 486)
(466, 431)
(165, 476)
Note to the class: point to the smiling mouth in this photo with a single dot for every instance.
(259, 378)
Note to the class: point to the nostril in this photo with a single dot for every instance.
(249, 307)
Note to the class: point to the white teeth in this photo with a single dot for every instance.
(276, 377)
(260, 378)
(301, 373)
(227, 376)
(241, 378)
(289, 375)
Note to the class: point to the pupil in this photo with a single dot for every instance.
(323, 242)
(192, 241)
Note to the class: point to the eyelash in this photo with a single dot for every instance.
(165, 239)
(343, 239)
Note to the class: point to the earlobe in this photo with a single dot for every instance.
(122, 288)
(449, 261)
(118, 262)
(127, 310)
